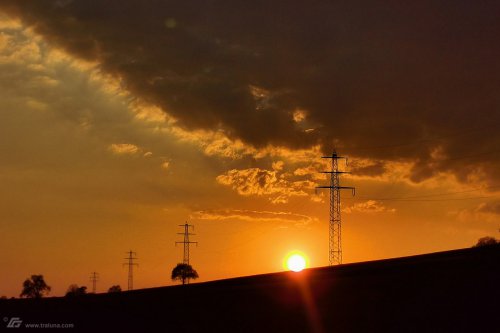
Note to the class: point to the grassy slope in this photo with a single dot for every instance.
(455, 291)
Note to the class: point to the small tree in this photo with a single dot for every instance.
(115, 289)
(35, 287)
(184, 272)
(74, 290)
(486, 241)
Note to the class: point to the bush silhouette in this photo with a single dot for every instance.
(74, 290)
(184, 272)
(35, 287)
(115, 289)
(486, 241)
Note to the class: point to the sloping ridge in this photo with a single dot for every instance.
(453, 291)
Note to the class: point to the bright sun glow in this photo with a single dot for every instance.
(296, 262)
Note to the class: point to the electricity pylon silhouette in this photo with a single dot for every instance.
(94, 277)
(186, 242)
(335, 223)
(131, 257)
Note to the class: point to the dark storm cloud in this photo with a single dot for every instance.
(384, 80)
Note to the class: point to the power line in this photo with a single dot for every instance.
(429, 200)
(130, 263)
(335, 223)
(454, 158)
(418, 197)
(94, 277)
(243, 243)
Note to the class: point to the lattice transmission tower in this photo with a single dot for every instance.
(186, 242)
(94, 277)
(130, 263)
(335, 225)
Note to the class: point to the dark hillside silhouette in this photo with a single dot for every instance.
(455, 291)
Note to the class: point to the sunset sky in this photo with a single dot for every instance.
(120, 120)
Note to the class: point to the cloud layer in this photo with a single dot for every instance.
(391, 81)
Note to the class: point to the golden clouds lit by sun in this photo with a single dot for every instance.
(299, 115)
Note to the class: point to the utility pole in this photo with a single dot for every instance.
(130, 263)
(186, 242)
(94, 277)
(335, 225)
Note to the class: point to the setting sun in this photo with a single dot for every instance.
(295, 261)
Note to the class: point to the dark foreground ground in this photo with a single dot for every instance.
(456, 291)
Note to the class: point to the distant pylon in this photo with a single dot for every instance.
(335, 225)
(186, 242)
(94, 277)
(130, 263)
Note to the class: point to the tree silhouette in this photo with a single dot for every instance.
(184, 272)
(74, 290)
(35, 287)
(115, 289)
(486, 241)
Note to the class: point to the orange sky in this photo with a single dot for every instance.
(90, 169)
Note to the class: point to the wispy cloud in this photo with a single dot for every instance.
(370, 207)
(489, 207)
(252, 215)
(124, 148)
(484, 212)
(165, 165)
